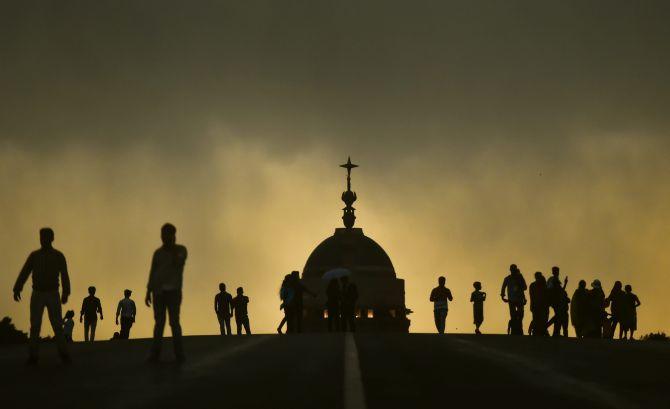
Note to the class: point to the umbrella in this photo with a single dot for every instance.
(335, 273)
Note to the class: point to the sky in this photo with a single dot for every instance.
(487, 133)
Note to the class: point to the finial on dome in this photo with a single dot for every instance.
(349, 197)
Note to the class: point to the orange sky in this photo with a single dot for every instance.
(513, 132)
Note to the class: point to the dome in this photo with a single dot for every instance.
(351, 249)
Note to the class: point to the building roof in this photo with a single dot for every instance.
(350, 249)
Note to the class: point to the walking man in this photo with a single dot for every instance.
(46, 265)
(440, 296)
(126, 309)
(224, 309)
(90, 308)
(164, 290)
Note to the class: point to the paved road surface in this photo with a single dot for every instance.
(371, 371)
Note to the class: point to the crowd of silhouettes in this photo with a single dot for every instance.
(587, 308)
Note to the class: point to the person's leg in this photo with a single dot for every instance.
(228, 330)
(173, 307)
(238, 322)
(36, 311)
(245, 322)
(444, 320)
(436, 315)
(159, 325)
(55, 312)
(86, 328)
(94, 324)
(222, 325)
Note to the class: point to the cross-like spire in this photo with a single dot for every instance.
(349, 197)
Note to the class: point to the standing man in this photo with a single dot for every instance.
(515, 285)
(440, 296)
(539, 305)
(298, 290)
(164, 290)
(239, 305)
(90, 308)
(557, 298)
(127, 310)
(223, 309)
(349, 300)
(46, 265)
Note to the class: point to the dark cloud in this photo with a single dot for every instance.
(298, 74)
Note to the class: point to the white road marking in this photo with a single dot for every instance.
(545, 376)
(354, 394)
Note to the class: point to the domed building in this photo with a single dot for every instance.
(381, 301)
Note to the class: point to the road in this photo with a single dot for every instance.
(371, 371)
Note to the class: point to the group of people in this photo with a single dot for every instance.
(48, 268)
(587, 307)
(341, 298)
(91, 307)
(226, 306)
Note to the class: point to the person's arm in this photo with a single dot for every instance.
(637, 302)
(565, 282)
(133, 309)
(483, 296)
(230, 306)
(65, 280)
(81, 313)
(432, 296)
(503, 289)
(216, 304)
(449, 295)
(100, 309)
(150, 284)
(23, 277)
(118, 311)
(472, 297)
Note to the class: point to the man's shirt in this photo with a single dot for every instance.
(440, 296)
(46, 265)
(240, 305)
(126, 308)
(90, 307)
(223, 302)
(167, 268)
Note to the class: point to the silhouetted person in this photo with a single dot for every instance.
(286, 297)
(239, 304)
(477, 299)
(615, 301)
(579, 310)
(515, 286)
(295, 325)
(559, 301)
(90, 308)
(440, 297)
(597, 314)
(164, 289)
(348, 306)
(46, 265)
(68, 325)
(127, 311)
(223, 309)
(333, 302)
(539, 305)
(630, 303)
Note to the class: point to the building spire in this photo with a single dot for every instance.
(349, 197)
